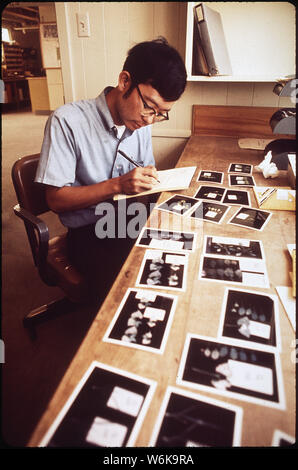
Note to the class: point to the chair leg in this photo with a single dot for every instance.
(51, 310)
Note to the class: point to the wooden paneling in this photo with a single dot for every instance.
(233, 121)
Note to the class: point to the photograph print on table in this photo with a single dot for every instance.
(143, 320)
(240, 168)
(207, 176)
(178, 204)
(251, 317)
(169, 240)
(282, 439)
(242, 271)
(231, 369)
(209, 212)
(187, 419)
(241, 180)
(236, 197)
(163, 270)
(106, 409)
(210, 193)
(254, 219)
(233, 247)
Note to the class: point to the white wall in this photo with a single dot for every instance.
(89, 64)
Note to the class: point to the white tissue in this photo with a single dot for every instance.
(268, 168)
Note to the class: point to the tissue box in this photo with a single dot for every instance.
(275, 198)
(292, 170)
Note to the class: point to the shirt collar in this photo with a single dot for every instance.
(104, 112)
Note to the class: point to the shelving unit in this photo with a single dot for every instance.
(260, 39)
(13, 60)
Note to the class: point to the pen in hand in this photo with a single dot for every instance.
(131, 160)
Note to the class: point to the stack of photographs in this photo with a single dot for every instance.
(282, 439)
(169, 240)
(178, 204)
(191, 420)
(143, 320)
(254, 219)
(210, 193)
(209, 208)
(208, 176)
(106, 409)
(242, 180)
(251, 317)
(209, 212)
(236, 197)
(232, 369)
(240, 168)
(228, 246)
(163, 270)
(236, 261)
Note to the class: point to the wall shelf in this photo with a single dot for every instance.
(260, 39)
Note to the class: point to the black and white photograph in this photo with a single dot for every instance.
(49, 31)
(210, 193)
(163, 270)
(237, 197)
(208, 176)
(178, 204)
(229, 247)
(106, 409)
(243, 271)
(251, 317)
(210, 212)
(240, 168)
(187, 419)
(242, 180)
(228, 368)
(143, 320)
(254, 219)
(169, 240)
(282, 439)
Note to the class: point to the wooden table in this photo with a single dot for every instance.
(198, 309)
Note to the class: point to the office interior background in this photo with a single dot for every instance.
(59, 67)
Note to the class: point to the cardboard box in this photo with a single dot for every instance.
(292, 170)
(275, 198)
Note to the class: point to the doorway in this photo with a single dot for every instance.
(31, 67)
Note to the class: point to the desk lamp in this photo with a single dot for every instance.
(283, 121)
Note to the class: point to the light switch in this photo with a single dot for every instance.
(83, 25)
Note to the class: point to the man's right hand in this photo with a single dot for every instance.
(138, 180)
(71, 198)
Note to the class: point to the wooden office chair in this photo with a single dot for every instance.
(49, 255)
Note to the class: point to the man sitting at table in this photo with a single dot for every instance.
(80, 163)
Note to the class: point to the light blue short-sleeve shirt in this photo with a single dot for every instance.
(80, 148)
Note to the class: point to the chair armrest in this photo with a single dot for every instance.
(36, 222)
(33, 224)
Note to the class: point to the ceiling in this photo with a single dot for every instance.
(21, 14)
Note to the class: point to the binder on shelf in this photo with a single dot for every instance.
(212, 40)
(275, 198)
(199, 62)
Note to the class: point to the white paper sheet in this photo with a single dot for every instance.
(170, 180)
(288, 302)
(106, 433)
(125, 401)
(251, 377)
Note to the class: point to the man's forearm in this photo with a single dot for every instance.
(71, 198)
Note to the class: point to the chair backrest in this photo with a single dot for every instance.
(30, 195)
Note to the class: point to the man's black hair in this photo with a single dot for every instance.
(158, 64)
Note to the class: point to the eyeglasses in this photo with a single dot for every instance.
(148, 111)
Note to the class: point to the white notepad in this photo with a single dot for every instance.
(174, 179)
